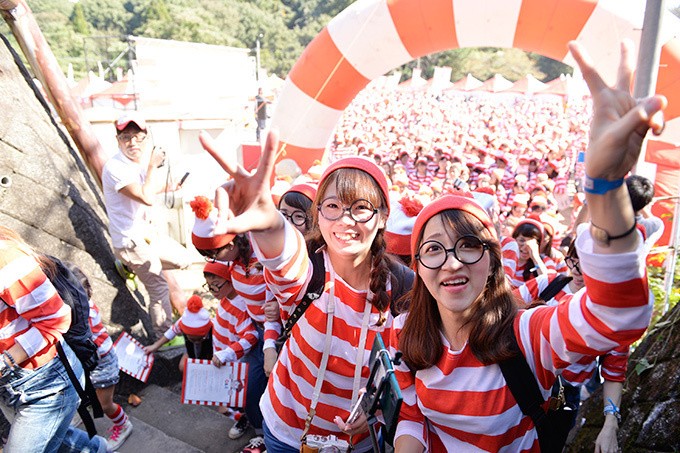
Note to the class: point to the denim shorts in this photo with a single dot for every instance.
(107, 373)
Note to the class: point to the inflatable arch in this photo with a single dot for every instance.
(372, 37)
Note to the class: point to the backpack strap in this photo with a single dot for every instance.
(524, 387)
(85, 397)
(554, 287)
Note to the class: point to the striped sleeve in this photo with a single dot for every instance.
(233, 329)
(611, 311)
(615, 364)
(287, 274)
(35, 316)
(99, 334)
(411, 419)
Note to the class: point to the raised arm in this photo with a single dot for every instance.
(245, 203)
(620, 123)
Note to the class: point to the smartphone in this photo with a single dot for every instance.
(356, 410)
(184, 178)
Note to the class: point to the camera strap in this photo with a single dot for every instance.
(324, 360)
(361, 348)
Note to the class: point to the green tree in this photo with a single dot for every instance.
(78, 20)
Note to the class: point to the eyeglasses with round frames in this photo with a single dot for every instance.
(213, 288)
(138, 137)
(297, 218)
(468, 249)
(361, 211)
(573, 263)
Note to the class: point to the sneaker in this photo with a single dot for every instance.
(256, 445)
(239, 428)
(175, 343)
(118, 434)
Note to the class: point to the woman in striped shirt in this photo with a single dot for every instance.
(455, 395)
(36, 394)
(349, 216)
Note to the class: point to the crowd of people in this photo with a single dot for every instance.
(468, 200)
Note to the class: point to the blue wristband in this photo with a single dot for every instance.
(600, 186)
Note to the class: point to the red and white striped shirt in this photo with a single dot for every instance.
(469, 406)
(510, 252)
(32, 314)
(615, 362)
(234, 333)
(252, 287)
(415, 181)
(286, 401)
(517, 279)
(99, 334)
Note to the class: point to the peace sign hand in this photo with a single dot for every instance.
(244, 203)
(619, 123)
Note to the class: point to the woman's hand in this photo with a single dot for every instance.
(620, 122)
(606, 441)
(217, 362)
(272, 312)
(534, 251)
(359, 426)
(245, 203)
(270, 358)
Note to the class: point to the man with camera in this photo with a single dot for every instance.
(131, 180)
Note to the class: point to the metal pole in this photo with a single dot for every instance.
(645, 84)
(257, 57)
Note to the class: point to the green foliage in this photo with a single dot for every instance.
(78, 20)
(286, 26)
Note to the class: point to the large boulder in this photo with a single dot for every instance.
(650, 409)
(48, 196)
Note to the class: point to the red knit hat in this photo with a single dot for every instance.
(306, 189)
(202, 234)
(537, 223)
(219, 268)
(361, 164)
(461, 202)
(196, 319)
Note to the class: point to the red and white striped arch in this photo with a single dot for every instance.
(372, 37)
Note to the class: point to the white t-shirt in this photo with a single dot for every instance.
(128, 219)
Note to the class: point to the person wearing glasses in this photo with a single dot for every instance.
(247, 278)
(295, 205)
(463, 320)
(131, 179)
(349, 214)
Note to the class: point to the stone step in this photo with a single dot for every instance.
(201, 428)
(145, 438)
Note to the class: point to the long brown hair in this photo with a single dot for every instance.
(352, 184)
(491, 315)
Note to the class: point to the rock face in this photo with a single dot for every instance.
(49, 197)
(650, 409)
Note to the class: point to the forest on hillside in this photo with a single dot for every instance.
(81, 31)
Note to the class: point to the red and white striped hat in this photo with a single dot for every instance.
(202, 235)
(196, 319)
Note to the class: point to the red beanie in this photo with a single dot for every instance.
(361, 164)
(399, 225)
(219, 268)
(306, 189)
(537, 223)
(446, 202)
